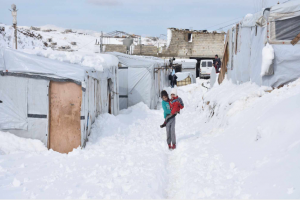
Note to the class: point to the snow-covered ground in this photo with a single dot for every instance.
(234, 141)
(85, 39)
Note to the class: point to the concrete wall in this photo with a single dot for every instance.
(115, 48)
(202, 45)
(147, 50)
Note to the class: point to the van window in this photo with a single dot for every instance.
(209, 64)
(203, 64)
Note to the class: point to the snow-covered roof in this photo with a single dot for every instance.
(251, 19)
(97, 61)
(19, 62)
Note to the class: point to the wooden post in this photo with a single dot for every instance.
(14, 15)
(295, 40)
(16, 38)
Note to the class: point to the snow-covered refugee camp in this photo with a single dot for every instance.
(149, 99)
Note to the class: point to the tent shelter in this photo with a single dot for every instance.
(141, 79)
(55, 102)
(273, 28)
(188, 65)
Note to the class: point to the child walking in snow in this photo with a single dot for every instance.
(170, 112)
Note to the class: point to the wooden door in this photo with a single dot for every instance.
(64, 120)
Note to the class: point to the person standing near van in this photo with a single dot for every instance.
(217, 63)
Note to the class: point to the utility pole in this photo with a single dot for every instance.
(14, 15)
(101, 42)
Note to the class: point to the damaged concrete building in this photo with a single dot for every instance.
(186, 43)
(192, 44)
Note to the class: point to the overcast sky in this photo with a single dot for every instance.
(147, 18)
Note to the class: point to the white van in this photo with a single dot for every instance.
(205, 68)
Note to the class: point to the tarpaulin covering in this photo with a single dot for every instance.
(24, 92)
(246, 43)
(182, 75)
(188, 65)
(146, 77)
(18, 62)
(13, 105)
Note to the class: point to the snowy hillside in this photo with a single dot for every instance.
(57, 38)
(234, 141)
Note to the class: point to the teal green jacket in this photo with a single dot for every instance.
(166, 107)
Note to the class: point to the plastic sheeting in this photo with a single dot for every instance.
(13, 109)
(286, 65)
(143, 82)
(245, 65)
(182, 75)
(139, 86)
(27, 97)
(284, 30)
(188, 65)
(287, 7)
(18, 62)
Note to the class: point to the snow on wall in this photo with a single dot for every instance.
(267, 59)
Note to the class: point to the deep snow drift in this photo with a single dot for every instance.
(234, 141)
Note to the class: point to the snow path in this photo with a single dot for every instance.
(128, 160)
(195, 169)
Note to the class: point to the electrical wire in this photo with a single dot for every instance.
(224, 22)
(227, 25)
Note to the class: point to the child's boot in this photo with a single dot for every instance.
(163, 125)
(170, 146)
(174, 146)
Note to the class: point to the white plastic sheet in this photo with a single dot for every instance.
(18, 62)
(182, 75)
(287, 7)
(144, 84)
(13, 109)
(286, 65)
(246, 64)
(139, 86)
